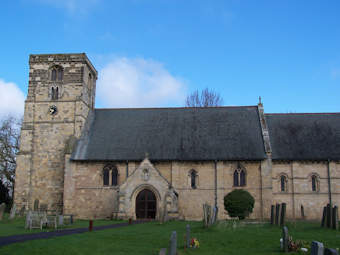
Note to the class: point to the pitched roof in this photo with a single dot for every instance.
(304, 136)
(214, 133)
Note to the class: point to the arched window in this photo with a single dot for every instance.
(236, 183)
(315, 183)
(114, 177)
(106, 177)
(57, 73)
(283, 183)
(193, 179)
(239, 177)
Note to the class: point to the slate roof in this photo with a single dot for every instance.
(214, 133)
(304, 136)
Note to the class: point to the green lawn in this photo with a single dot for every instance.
(148, 238)
(17, 226)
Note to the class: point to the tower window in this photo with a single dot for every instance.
(57, 73)
(54, 93)
(239, 178)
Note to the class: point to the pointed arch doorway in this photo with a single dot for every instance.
(146, 205)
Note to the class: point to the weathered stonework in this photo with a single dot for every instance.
(46, 172)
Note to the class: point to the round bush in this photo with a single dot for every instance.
(239, 203)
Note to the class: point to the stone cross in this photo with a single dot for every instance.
(330, 251)
(317, 248)
(13, 210)
(283, 214)
(187, 236)
(173, 244)
(335, 218)
(285, 238)
(272, 214)
(2, 210)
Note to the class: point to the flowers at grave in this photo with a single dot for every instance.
(194, 243)
(298, 245)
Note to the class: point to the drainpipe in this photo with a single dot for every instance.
(329, 184)
(293, 190)
(216, 183)
(127, 169)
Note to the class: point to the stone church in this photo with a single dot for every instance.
(151, 162)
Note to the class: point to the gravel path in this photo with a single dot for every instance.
(63, 232)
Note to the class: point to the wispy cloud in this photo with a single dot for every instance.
(138, 82)
(72, 6)
(11, 100)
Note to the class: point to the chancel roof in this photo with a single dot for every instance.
(213, 133)
(304, 136)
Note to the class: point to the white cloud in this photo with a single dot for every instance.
(11, 100)
(138, 82)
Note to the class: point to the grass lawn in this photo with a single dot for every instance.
(148, 238)
(17, 226)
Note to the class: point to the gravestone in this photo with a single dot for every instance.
(272, 214)
(285, 238)
(162, 251)
(60, 220)
(330, 251)
(36, 205)
(13, 210)
(317, 248)
(2, 210)
(324, 217)
(187, 236)
(277, 214)
(283, 214)
(302, 212)
(28, 217)
(213, 216)
(173, 244)
(329, 216)
(335, 218)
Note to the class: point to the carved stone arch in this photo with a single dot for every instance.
(139, 188)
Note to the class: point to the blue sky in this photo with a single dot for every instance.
(153, 53)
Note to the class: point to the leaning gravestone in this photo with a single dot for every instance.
(330, 251)
(187, 236)
(335, 218)
(2, 210)
(324, 217)
(283, 214)
(285, 238)
(272, 214)
(13, 210)
(173, 244)
(317, 248)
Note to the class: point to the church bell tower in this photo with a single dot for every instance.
(61, 93)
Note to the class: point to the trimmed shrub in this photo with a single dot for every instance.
(239, 203)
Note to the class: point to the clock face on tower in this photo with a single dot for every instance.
(53, 110)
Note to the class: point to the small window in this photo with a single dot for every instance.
(54, 93)
(283, 183)
(57, 73)
(106, 177)
(193, 179)
(239, 178)
(114, 177)
(315, 183)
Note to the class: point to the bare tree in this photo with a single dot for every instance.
(205, 98)
(9, 147)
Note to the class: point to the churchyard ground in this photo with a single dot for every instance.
(149, 238)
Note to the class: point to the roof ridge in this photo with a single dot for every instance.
(305, 113)
(174, 108)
